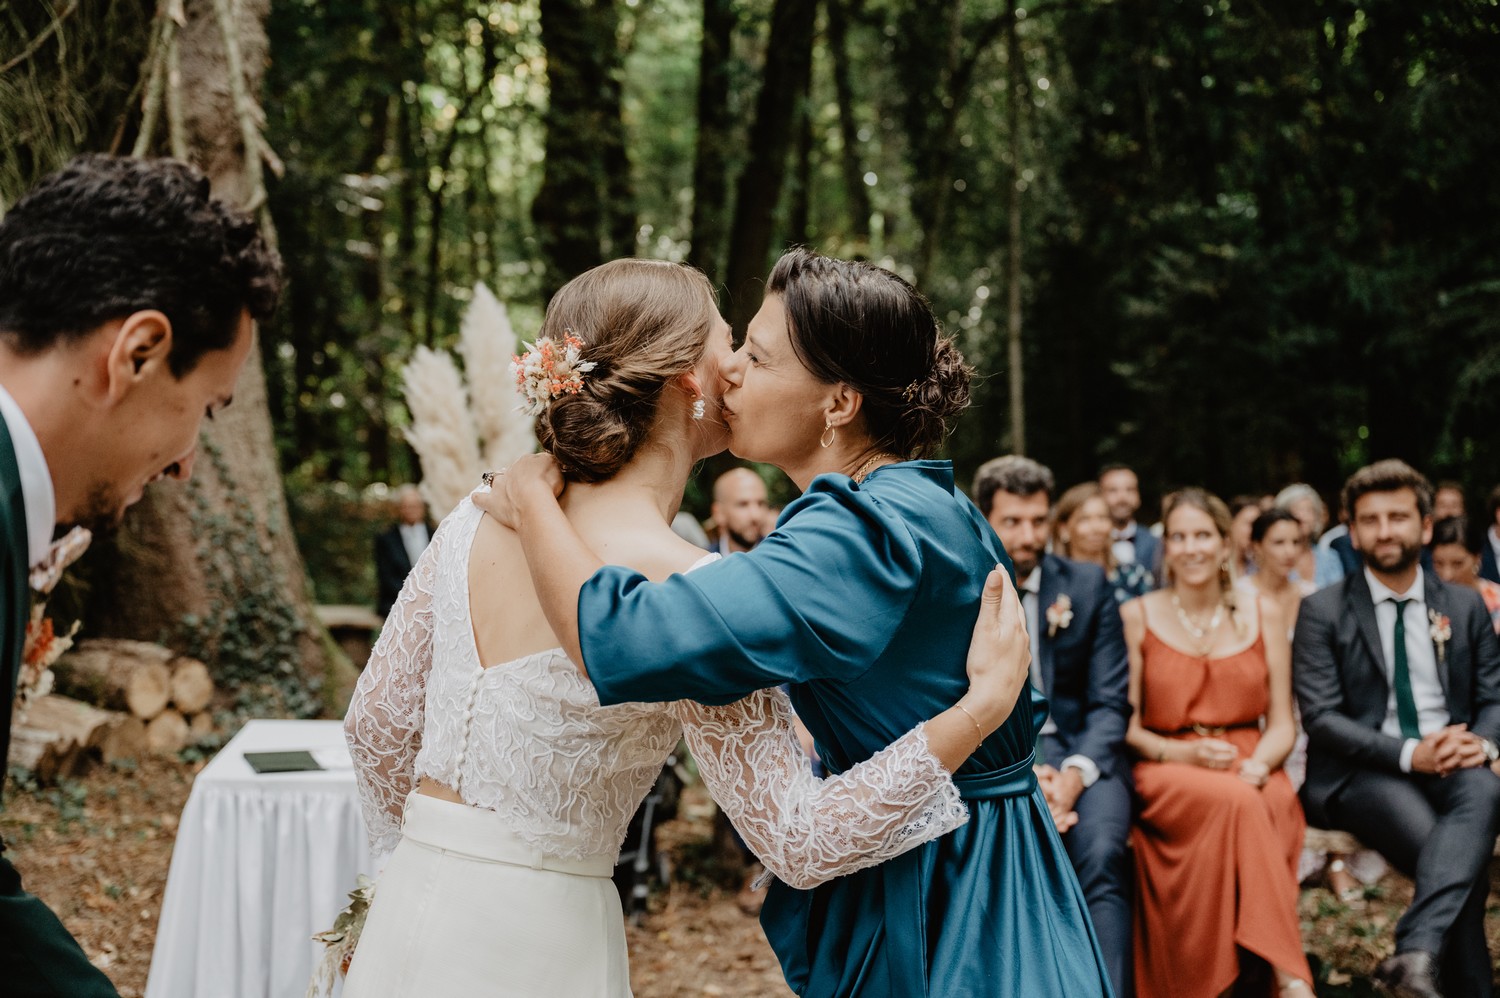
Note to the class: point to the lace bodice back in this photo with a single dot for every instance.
(527, 738)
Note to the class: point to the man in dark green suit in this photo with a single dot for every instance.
(127, 298)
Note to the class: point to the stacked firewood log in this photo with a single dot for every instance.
(112, 700)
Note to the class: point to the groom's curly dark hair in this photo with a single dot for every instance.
(107, 236)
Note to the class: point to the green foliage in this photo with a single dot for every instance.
(67, 72)
(1256, 237)
(250, 634)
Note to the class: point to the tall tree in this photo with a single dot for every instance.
(583, 210)
(710, 219)
(853, 172)
(758, 193)
(212, 562)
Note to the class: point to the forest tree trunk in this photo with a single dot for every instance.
(788, 63)
(211, 565)
(710, 221)
(581, 210)
(1015, 356)
(857, 195)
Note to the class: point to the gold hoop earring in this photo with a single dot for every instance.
(830, 433)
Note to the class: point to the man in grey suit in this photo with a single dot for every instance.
(1398, 678)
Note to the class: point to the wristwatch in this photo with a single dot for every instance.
(1491, 750)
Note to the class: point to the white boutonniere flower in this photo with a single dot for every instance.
(1059, 615)
(1441, 631)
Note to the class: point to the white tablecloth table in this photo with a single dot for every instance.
(262, 862)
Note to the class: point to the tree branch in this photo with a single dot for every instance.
(41, 38)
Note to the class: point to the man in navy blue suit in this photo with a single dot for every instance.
(1079, 663)
(1489, 558)
(1131, 541)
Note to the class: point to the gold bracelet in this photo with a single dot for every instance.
(977, 729)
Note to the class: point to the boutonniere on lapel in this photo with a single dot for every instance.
(1441, 631)
(1059, 615)
(44, 644)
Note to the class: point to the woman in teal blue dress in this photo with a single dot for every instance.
(844, 381)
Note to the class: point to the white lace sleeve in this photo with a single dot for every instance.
(806, 830)
(384, 723)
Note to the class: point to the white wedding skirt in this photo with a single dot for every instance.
(464, 907)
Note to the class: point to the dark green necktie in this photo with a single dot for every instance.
(1406, 703)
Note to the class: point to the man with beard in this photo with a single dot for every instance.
(739, 511)
(1398, 678)
(1079, 663)
(127, 295)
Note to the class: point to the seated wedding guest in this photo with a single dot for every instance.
(1132, 543)
(739, 523)
(1398, 678)
(1278, 543)
(1083, 534)
(1336, 540)
(1448, 501)
(1489, 563)
(739, 511)
(1078, 663)
(1455, 558)
(1318, 566)
(1277, 547)
(398, 547)
(1219, 831)
(1243, 510)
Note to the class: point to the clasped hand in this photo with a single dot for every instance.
(1215, 753)
(1449, 750)
(1061, 788)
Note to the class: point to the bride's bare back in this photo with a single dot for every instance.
(614, 520)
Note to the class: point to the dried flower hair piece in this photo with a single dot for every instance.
(547, 370)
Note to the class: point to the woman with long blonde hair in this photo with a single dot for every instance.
(1220, 830)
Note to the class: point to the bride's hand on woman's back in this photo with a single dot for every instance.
(528, 477)
(999, 654)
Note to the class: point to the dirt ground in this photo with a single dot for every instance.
(97, 850)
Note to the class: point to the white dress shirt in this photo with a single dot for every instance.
(1494, 536)
(36, 480)
(1421, 660)
(414, 538)
(1123, 543)
(1031, 597)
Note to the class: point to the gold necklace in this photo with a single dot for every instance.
(863, 471)
(1196, 631)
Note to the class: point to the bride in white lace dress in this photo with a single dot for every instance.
(492, 779)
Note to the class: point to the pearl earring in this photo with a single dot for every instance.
(698, 406)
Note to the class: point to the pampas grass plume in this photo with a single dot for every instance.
(487, 342)
(442, 429)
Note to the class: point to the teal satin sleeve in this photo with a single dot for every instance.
(820, 598)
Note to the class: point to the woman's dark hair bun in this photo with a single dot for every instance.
(860, 324)
(936, 401)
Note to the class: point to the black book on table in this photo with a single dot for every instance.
(282, 762)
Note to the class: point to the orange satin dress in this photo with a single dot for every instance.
(1215, 858)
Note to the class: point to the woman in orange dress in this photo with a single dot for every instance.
(1219, 832)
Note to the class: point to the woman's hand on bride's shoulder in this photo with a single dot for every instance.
(530, 478)
(999, 653)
